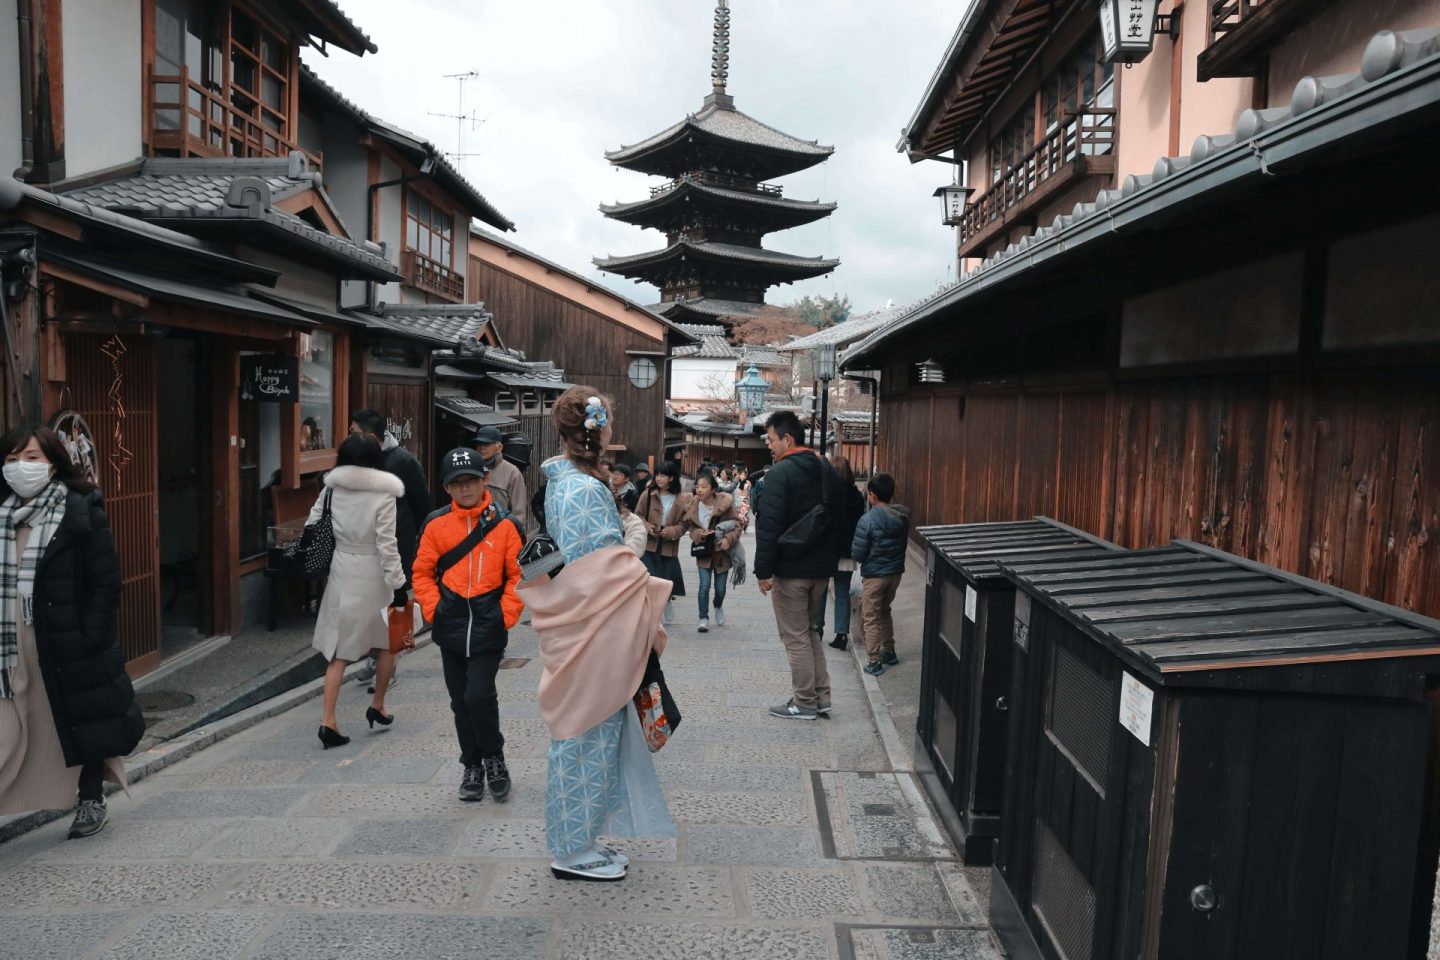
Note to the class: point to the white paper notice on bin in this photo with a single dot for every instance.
(1137, 707)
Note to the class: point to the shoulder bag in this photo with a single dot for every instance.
(815, 524)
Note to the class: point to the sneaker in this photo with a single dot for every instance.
(498, 776)
(704, 626)
(670, 611)
(890, 659)
(823, 708)
(719, 616)
(594, 867)
(841, 641)
(791, 710)
(875, 668)
(90, 818)
(366, 673)
(472, 785)
(394, 679)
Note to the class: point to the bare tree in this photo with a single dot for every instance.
(718, 391)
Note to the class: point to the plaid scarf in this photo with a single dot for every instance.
(17, 575)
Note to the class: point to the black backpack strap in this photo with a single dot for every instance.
(458, 552)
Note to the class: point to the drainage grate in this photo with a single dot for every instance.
(513, 663)
(879, 809)
(158, 701)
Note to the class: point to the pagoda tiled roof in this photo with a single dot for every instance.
(726, 124)
(791, 212)
(786, 262)
(708, 307)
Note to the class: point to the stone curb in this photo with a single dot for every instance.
(157, 758)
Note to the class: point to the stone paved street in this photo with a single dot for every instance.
(796, 840)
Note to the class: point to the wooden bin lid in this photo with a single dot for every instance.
(978, 549)
(1188, 608)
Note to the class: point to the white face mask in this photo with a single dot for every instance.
(28, 477)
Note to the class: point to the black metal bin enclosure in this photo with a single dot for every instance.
(1214, 760)
(966, 665)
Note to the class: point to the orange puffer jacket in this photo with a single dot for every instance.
(474, 605)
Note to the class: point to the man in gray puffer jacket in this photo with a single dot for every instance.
(881, 539)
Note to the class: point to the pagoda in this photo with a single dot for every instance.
(716, 205)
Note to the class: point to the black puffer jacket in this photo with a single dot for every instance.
(792, 487)
(77, 595)
(413, 508)
(852, 508)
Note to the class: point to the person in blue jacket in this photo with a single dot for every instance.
(881, 537)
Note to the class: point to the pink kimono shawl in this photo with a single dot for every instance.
(598, 621)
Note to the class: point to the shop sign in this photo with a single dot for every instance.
(270, 379)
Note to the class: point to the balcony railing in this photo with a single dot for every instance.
(718, 180)
(194, 120)
(425, 274)
(1240, 33)
(1071, 149)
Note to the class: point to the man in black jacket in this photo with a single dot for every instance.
(796, 574)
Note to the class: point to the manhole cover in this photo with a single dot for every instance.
(158, 701)
(513, 663)
(879, 809)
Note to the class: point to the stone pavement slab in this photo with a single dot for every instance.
(794, 839)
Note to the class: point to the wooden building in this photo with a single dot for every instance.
(716, 206)
(1233, 343)
(595, 336)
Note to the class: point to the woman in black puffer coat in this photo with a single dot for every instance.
(67, 710)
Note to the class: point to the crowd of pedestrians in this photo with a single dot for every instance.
(599, 577)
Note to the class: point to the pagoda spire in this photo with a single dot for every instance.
(720, 51)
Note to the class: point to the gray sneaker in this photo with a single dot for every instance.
(90, 818)
(366, 673)
(823, 708)
(472, 785)
(791, 710)
(719, 616)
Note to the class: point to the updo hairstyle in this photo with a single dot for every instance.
(580, 443)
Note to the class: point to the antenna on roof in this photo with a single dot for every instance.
(460, 116)
(720, 48)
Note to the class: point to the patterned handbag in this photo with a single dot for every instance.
(659, 716)
(316, 546)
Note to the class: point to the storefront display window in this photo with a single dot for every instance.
(317, 391)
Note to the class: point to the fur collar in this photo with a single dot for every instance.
(365, 480)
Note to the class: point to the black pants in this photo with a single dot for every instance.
(92, 782)
(473, 700)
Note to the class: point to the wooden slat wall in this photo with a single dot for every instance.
(591, 349)
(1333, 474)
(127, 480)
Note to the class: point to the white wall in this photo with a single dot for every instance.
(10, 119)
(103, 114)
(695, 379)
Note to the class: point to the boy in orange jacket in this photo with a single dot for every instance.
(466, 570)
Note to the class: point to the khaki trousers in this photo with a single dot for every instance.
(875, 599)
(797, 602)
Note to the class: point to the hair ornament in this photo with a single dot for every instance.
(596, 415)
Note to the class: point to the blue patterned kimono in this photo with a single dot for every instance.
(603, 781)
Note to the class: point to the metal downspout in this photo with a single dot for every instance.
(27, 93)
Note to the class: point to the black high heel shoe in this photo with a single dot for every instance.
(332, 738)
(375, 716)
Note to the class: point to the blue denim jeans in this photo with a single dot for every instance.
(708, 576)
(842, 604)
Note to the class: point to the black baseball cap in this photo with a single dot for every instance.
(486, 435)
(642, 466)
(460, 462)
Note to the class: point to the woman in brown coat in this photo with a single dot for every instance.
(661, 506)
(708, 510)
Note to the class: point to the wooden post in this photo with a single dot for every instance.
(225, 473)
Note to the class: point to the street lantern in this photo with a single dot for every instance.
(825, 362)
(931, 372)
(751, 391)
(953, 198)
(1127, 29)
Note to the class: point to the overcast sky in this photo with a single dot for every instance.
(562, 81)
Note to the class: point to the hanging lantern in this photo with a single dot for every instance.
(931, 372)
(1127, 29)
(953, 198)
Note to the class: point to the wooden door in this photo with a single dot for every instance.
(112, 379)
(405, 404)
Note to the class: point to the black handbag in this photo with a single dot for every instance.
(540, 556)
(316, 546)
(703, 548)
(815, 525)
(659, 716)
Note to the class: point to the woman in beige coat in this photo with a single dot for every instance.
(707, 510)
(661, 506)
(365, 575)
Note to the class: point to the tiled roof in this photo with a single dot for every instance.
(715, 345)
(334, 25)
(419, 149)
(762, 356)
(812, 208)
(451, 325)
(725, 123)
(1260, 139)
(540, 376)
(474, 412)
(228, 190)
(722, 251)
(849, 331)
(709, 307)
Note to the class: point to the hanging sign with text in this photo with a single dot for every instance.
(269, 379)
